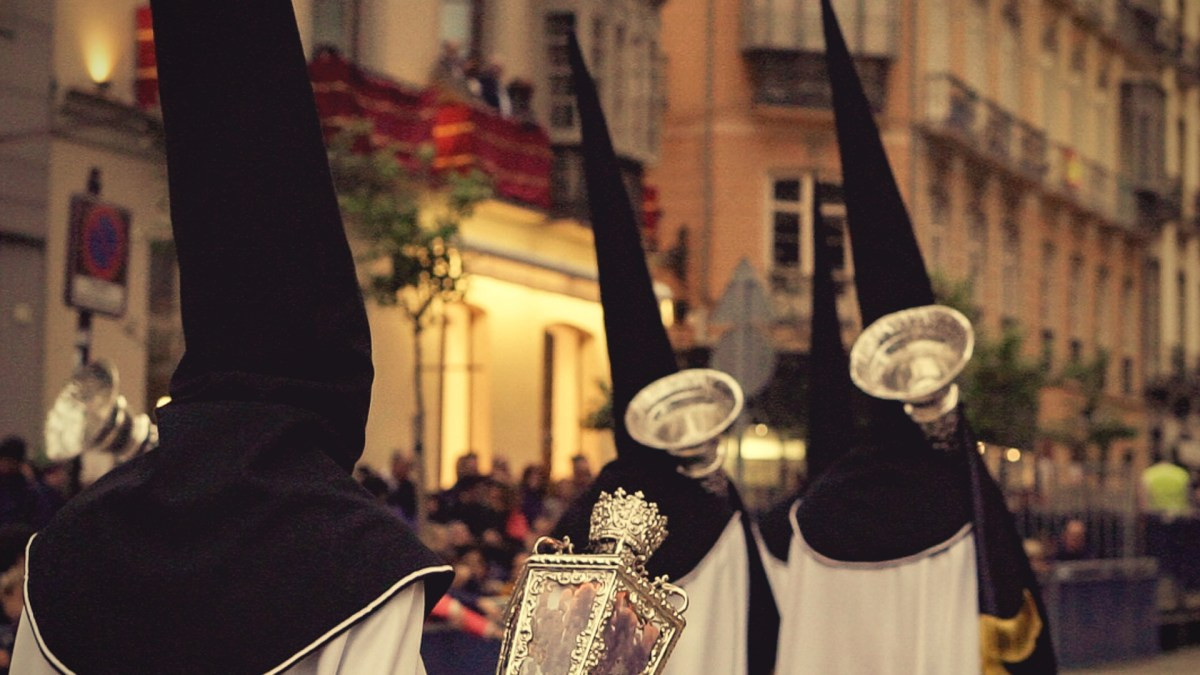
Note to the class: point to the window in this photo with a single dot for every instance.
(977, 43)
(620, 45)
(789, 197)
(977, 243)
(1076, 298)
(562, 94)
(1181, 312)
(1051, 88)
(939, 213)
(1151, 317)
(1100, 309)
(936, 37)
(459, 19)
(1010, 62)
(1128, 331)
(1046, 313)
(1011, 265)
(335, 24)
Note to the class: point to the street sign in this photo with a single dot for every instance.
(744, 351)
(97, 256)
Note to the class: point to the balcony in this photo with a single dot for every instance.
(463, 134)
(1139, 26)
(784, 48)
(956, 113)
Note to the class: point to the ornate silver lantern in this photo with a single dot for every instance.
(595, 612)
(685, 414)
(913, 356)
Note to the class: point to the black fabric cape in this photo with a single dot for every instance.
(242, 543)
(639, 353)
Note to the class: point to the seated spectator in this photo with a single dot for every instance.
(1073, 543)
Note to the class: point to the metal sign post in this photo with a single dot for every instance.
(97, 262)
(744, 351)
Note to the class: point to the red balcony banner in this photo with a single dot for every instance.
(516, 155)
(146, 76)
(400, 116)
(463, 134)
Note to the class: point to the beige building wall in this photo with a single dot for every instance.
(1088, 290)
(494, 383)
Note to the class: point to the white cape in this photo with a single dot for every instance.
(917, 614)
(714, 640)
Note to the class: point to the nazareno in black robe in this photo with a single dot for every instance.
(242, 543)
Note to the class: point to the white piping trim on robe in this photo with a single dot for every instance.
(287, 663)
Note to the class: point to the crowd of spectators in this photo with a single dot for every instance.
(483, 81)
(483, 525)
(29, 496)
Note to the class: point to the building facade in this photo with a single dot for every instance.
(511, 371)
(1046, 148)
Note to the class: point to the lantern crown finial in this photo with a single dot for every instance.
(622, 518)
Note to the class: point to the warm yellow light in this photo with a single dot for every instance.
(99, 53)
(162, 400)
(667, 309)
(760, 430)
(1012, 455)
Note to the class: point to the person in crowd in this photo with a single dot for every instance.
(18, 498)
(1165, 486)
(403, 493)
(581, 474)
(1073, 542)
(532, 492)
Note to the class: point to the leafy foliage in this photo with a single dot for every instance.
(409, 235)
(1001, 388)
(1093, 424)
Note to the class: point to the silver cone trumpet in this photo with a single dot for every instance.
(685, 414)
(913, 356)
(90, 414)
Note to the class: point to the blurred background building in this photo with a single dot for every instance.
(512, 371)
(1049, 151)
(1049, 154)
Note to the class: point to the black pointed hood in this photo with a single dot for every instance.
(639, 351)
(166, 563)
(889, 273)
(900, 473)
(831, 431)
(287, 306)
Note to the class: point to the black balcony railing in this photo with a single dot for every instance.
(957, 112)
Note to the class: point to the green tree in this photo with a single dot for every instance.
(1001, 388)
(1092, 428)
(408, 218)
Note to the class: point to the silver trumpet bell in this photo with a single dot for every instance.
(685, 414)
(90, 414)
(913, 356)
